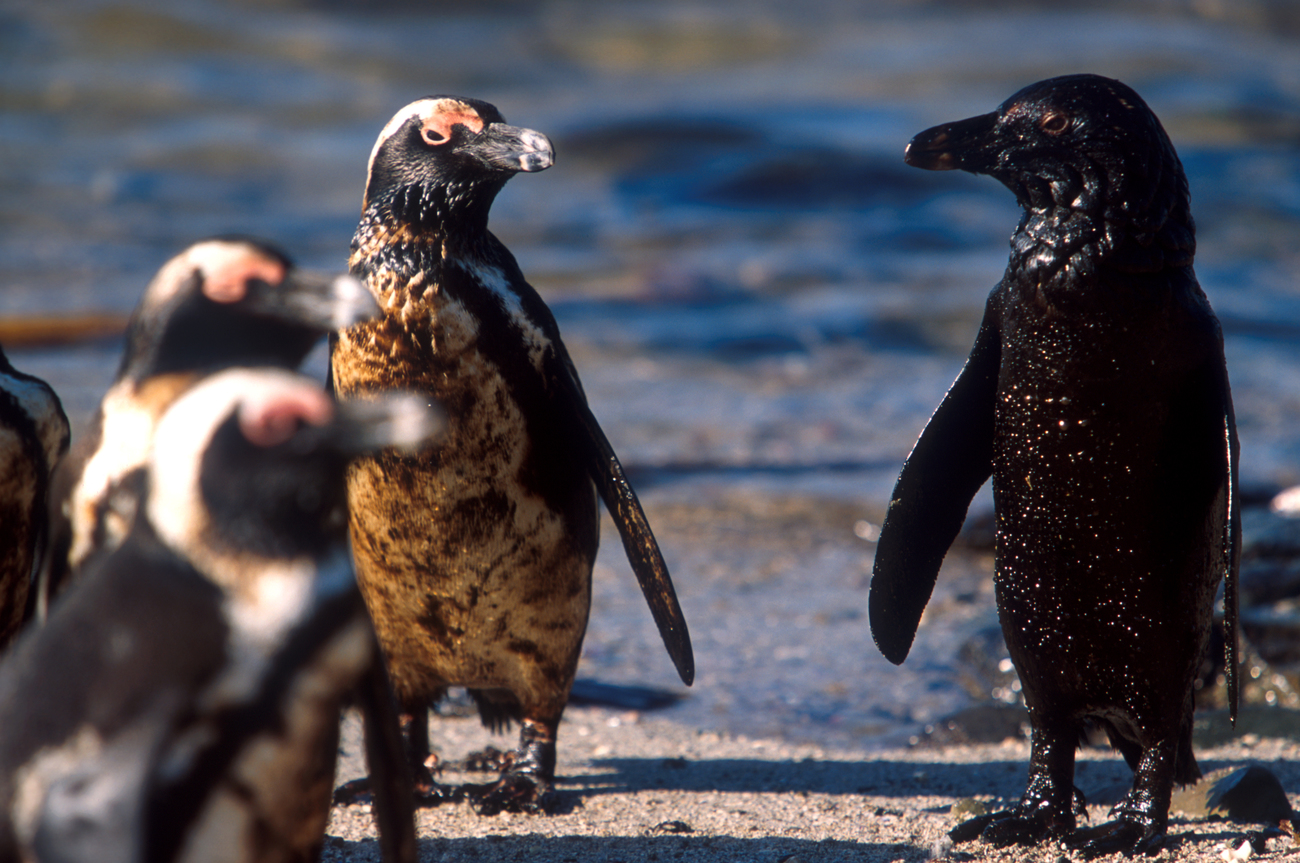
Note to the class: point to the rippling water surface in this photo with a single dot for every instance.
(764, 302)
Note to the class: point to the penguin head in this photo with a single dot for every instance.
(446, 156)
(1085, 157)
(236, 301)
(247, 468)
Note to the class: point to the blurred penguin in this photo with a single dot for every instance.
(33, 437)
(220, 303)
(201, 665)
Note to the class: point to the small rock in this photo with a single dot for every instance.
(967, 807)
(942, 847)
(1249, 794)
(1241, 852)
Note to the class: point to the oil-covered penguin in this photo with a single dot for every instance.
(475, 559)
(222, 302)
(201, 665)
(1097, 398)
(33, 437)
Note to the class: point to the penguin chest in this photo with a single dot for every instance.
(474, 557)
(1102, 528)
(100, 517)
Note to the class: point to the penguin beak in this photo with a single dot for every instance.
(366, 425)
(510, 148)
(963, 145)
(324, 302)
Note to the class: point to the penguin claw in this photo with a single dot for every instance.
(1015, 828)
(1119, 836)
(513, 792)
(1020, 825)
(971, 828)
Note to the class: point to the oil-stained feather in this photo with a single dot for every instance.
(951, 460)
(638, 540)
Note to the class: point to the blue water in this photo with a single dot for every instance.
(764, 302)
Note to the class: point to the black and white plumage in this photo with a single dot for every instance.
(201, 665)
(223, 302)
(33, 437)
(475, 558)
(1097, 397)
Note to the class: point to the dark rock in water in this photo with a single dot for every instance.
(983, 723)
(1250, 794)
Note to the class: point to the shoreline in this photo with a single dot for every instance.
(633, 787)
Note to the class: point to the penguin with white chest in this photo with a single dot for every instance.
(222, 302)
(202, 664)
(33, 437)
(475, 558)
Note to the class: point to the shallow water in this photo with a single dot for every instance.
(765, 304)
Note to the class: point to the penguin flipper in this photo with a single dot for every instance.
(638, 540)
(950, 461)
(1231, 544)
(390, 780)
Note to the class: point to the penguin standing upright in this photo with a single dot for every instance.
(201, 664)
(33, 437)
(475, 558)
(1097, 397)
(226, 301)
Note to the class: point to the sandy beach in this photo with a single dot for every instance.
(634, 787)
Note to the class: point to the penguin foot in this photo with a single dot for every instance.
(1015, 828)
(513, 792)
(426, 791)
(1020, 825)
(1120, 836)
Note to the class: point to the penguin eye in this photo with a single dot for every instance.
(434, 136)
(1054, 124)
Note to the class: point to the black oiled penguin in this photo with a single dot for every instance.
(198, 668)
(33, 437)
(222, 302)
(475, 558)
(1097, 397)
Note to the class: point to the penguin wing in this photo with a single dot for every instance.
(950, 461)
(1231, 547)
(390, 779)
(95, 806)
(621, 501)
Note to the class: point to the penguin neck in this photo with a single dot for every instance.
(1088, 218)
(393, 254)
(1061, 254)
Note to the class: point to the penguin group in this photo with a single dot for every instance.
(234, 551)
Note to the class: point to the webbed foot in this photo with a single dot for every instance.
(1023, 824)
(526, 773)
(1119, 836)
(513, 792)
(1016, 827)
